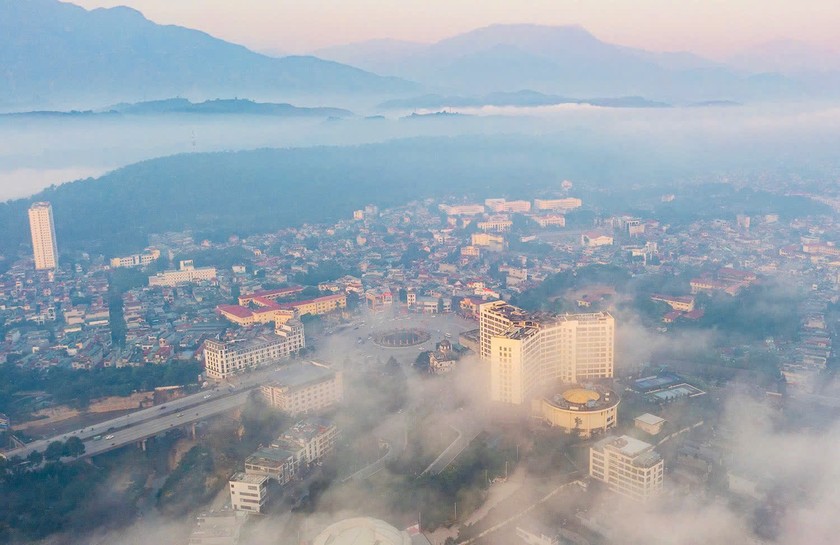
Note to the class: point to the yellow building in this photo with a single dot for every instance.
(494, 243)
(319, 305)
(583, 411)
(529, 351)
(551, 220)
(681, 303)
(628, 466)
(470, 251)
(42, 229)
(498, 224)
(558, 204)
(261, 315)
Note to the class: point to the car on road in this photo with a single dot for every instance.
(207, 396)
(162, 407)
(109, 437)
(97, 438)
(180, 415)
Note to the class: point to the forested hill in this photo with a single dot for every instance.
(262, 190)
(273, 188)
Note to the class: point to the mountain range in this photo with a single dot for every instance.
(184, 106)
(565, 60)
(59, 54)
(523, 98)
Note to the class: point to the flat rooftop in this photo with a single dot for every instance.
(626, 445)
(584, 398)
(242, 477)
(650, 419)
(300, 374)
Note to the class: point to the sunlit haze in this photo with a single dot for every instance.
(442, 272)
(714, 28)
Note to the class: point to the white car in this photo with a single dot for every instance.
(109, 437)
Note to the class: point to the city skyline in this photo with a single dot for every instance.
(712, 29)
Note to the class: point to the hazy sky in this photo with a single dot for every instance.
(710, 27)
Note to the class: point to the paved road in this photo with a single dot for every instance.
(343, 345)
(148, 422)
(467, 431)
(145, 423)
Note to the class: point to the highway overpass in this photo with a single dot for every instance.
(145, 423)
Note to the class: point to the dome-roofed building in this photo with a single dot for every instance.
(362, 531)
(584, 410)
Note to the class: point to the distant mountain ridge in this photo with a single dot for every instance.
(523, 98)
(55, 53)
(565, 60)
(209, 107)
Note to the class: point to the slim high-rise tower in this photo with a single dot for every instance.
(43, 236)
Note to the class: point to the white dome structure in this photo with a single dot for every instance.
(362, 531)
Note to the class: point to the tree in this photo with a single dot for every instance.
(54, 451)
(74, 447)
(35, 457)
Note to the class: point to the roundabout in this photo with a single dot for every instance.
(399, 338)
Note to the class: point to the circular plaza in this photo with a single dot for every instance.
(399, 338)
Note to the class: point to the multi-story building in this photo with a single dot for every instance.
(584, 411)
(462, 209)
(304, 387)
(186, 273)
(42, 228)
(529, 351)
(307, 442)
(594, 239)
(319, 305)
(494, 243)
(224, 359)
(136, 260)
(558, 204)
(248, 492)
(499, 224)
(503, 205)
(550, 220)
(628, 466)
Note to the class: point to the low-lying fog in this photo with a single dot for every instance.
(38, 152)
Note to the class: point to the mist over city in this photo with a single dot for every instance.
(439, 273)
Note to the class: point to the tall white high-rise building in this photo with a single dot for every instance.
(530, 351)
(43, 236)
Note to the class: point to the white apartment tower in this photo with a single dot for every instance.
(529, 351)
(630, 467)
(43, 236)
